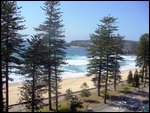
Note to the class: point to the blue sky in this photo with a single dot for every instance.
(80, 18)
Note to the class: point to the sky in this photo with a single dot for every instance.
(80, 18)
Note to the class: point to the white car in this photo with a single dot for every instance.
(122, 103)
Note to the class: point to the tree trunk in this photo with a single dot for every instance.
(33, 89)
(115, 84)
(56, 84)
(1, 94)
(145, 77)
(99, 79)
(143, 71)
(115, 76)
(49, 90)
(106, 79)
(56, 96)
(7, 90)
(142, 77)
(1, 91)
(49, 82)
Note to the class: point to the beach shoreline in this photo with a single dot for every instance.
(73, 83)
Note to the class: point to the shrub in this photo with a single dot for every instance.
(85, 92)
(130, 77)
(126, 88)
(103, 93)
(64, 108)
(69, 95)
(75, 103)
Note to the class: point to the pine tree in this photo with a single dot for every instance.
(130, 77)
(96, 56)
(136, 79)
(104, 54)
(73, 101)
(68, 95)
(32, 68)
(75, 104)
(142, 52)
(11, 40)
(117, 50)
(52, 33)
(85, 92)
(111, 49)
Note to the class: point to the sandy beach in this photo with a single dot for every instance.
(72, 83)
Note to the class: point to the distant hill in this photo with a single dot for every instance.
(129, 47)
(79, 43)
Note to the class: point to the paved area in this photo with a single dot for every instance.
(114, 107)
(111, 109)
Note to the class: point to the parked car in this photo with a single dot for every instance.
(145, 101)
(132, 105)
(122, 103)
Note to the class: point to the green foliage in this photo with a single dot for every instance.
(33, 87)
(126, 88)
(68, 95)
(11, 46)
(130, 77)
(103, 93)
(142, 52)
(136, 82)
(64, 108)
(75, 103)
(104, 53)
(52, 34)
(85, 92)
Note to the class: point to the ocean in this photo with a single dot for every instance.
(76, 59)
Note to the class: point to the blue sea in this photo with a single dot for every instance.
(76, 59)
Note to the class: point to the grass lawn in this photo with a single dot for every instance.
(91, 101)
